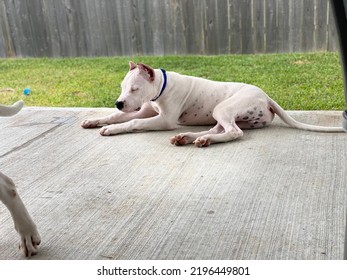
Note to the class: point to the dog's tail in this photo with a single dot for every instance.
(295, 124)
(6, 111)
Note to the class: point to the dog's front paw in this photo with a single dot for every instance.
(202, 142)
(104, 131)
(89, 123)
(30, 240)
(179, 140)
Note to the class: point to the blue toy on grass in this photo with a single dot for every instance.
(26, 91)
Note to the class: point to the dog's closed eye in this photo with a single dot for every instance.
(134, 88)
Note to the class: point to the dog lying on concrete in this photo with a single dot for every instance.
(26, 228)
(153, 99)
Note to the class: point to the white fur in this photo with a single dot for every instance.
(187, 100)
(26, 228)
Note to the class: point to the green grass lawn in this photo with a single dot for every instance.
(296, 81)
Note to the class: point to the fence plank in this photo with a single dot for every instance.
(235, 29)
(52, 32)
(2, 41)
(321, 24)
(7, 46)
(258, 25)
(181, 24)
(15, 31)
(161, 27)
(332, 35)
(307, 35)
(283, 26)
(246, 27)
(271, 26)
(295, 24)
(61, 11)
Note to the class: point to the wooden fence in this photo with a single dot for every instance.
(60, 28)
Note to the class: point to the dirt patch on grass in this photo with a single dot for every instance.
(7, 90)
(301, 62)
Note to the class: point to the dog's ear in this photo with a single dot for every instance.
(132, 65)
(147, 71)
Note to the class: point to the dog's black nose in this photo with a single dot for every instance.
(119, 105)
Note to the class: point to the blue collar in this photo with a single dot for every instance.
(164, 85)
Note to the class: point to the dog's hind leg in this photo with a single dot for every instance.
(230, 132)
(225, 113)
(246, 109)
(189, 137)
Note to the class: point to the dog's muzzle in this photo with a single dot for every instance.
(119, 105)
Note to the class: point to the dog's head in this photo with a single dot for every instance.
(138, 87)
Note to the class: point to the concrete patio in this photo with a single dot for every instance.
(277, 193)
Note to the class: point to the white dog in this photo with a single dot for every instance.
(26, 228)
(153, 99)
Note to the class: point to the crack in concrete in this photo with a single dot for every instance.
(58, 121)
(29, 142)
